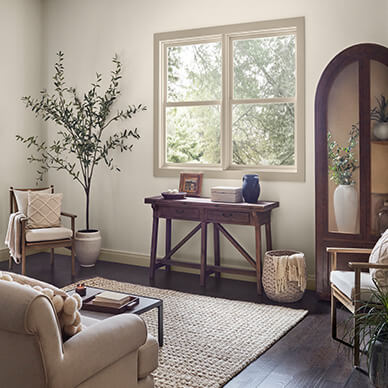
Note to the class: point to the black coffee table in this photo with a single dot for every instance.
(145, 304)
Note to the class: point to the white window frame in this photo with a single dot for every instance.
(226, 34)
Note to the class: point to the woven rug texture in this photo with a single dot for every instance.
(207, 340)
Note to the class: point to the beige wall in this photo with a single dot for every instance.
(90, 32)
(21, 55)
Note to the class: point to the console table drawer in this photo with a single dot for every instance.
(228, 217)
(179, 212)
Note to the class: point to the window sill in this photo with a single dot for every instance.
(267, 174)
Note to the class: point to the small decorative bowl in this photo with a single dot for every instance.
(179, 195)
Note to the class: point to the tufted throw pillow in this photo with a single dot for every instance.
(379, 255)
(21, 197)
(66, 307)
(44, 210)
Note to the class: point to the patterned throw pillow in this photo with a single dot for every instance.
(379, 255)
(44, 210)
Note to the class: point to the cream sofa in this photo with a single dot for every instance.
(114, 352)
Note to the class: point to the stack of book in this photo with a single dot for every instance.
(226, 194)
(112, 299)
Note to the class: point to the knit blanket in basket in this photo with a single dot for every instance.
(289, 269)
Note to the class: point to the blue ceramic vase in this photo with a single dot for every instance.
(251, 188)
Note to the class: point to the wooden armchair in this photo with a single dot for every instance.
(352, 289)
(46, 237)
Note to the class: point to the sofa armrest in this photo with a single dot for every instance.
(99, 346)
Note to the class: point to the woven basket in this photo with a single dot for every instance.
(292, 292)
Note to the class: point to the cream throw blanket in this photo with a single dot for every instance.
(13, 236)
(289, 269)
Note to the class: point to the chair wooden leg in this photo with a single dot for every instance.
(23, 260)
(333, 316)
(52, 256)
(72, 260)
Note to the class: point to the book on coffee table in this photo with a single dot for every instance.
(113, 298)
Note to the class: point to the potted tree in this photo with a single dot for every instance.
(81, 140)
(342, 164)
(379, 114)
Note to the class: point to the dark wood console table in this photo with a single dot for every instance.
(205, 211)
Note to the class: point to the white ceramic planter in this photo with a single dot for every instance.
(380, 130)
(346, 208)
(87, 247)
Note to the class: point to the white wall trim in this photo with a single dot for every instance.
(4, 254)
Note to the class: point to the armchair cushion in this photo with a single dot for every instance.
(344, 281)
(48, 234)
(44, 210)
(379, 255)
(113, 338)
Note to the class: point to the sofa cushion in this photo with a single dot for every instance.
(44, 210)
(48, 234)
(379, 255)
(344, 281)
(87, 321)
(148, 357)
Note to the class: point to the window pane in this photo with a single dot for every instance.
(193, 134)
(194, 72)
(264, 67)
(263, 134)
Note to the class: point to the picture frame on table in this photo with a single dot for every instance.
(191, 184)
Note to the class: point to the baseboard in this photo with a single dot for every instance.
(4, 254)
(142, 260)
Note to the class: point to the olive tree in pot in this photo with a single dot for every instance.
(82, 140)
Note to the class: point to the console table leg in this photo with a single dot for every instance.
(258, 257)
(154, 245)
(168, 241)
(268, 236)
(202, 277)
(216, 234)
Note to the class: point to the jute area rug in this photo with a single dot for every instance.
(207, 340)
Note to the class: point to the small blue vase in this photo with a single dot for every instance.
(251, 188)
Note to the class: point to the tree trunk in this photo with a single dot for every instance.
(87, 192)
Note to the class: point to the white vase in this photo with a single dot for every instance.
(346, 208)
(87, 247)
(380, 130)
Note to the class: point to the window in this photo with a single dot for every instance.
(230, 99)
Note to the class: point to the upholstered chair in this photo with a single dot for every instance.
(114, 352)
(352, 288)
(42, 238)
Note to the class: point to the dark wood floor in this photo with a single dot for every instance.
(305, 357)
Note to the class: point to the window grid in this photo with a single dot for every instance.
(226, 104)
